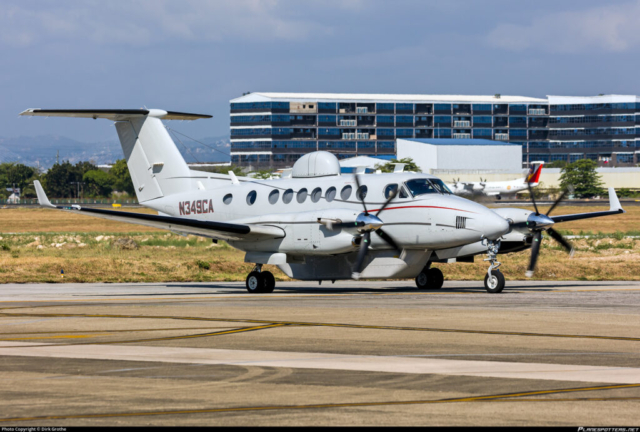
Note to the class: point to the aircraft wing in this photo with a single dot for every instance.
(614, 208)
(216, 230)
(112, 114)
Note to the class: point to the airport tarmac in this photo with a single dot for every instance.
(351, 353)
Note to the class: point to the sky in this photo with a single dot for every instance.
(195, 56)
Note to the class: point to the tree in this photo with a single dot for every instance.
(263, 175)
(557, 164)
(59, 180)
(122, 177)
(389, 166)
(15, 174)
(98, 183)
(583, 178)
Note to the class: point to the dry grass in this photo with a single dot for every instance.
(42, 242)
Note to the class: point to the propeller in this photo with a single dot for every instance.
(367, 223)
(542, 222)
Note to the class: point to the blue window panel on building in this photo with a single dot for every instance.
(327, 118)
(518, 133)
(442, 119)
(386, 119)
(517, 108)
(485, 133)
(251, 144)
(521, 121)
(404, 132)
(386, 132)
(327, 105)
(404, 119)
(442, 133)
(366, 144)
(575, 157)
(337, 145)
(328, 131)
(482, 107)
(259, 105)
(386, 144)
(482, 120)
(442, 107)
(539, 157)
(538, 144)
(624, 157)
(386, 106)
(404, 107)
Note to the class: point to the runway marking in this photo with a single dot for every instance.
(165, 338)
(316, 324)
(80, 336)
(326, 361)
(474, 399)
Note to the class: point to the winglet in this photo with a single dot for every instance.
(42, 197)
(614, 202)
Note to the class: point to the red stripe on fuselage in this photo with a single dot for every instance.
(405, 207)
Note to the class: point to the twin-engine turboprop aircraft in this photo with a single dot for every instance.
(498, 189)
(316, 224)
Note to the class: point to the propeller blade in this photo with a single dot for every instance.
(560, 239)
(392, 195)
(362, 253)
(388, 239)
(366, 212)
(533, 198)
(560, 198)
(535, 250)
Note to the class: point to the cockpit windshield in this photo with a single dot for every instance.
(439, 184)
(421, 187)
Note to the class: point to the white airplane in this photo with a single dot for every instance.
(498, 189)
(314, 223)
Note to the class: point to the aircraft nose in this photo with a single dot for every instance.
(494, 226)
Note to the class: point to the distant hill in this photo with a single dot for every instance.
(41, 150)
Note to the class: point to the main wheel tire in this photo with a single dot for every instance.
(435, 278)
(496, 283)
(255, 283)
(422, 280)
(269, 282)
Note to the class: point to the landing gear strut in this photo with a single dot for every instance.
(260, 281)
(494, 280)
(430, 278)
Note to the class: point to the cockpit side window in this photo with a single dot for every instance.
(420, 187)
(439, 184)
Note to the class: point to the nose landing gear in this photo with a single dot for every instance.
(260, 281)
(494, 280)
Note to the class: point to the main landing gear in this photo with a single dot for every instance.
(430, 278)
(260, 281)
(494, 280)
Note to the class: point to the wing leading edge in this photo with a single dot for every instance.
(217, 230)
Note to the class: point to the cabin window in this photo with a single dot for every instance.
(346, 192)
(362, 192)
(330, 194)
(273, 196)
(316, 195)
(302, 195)
(287, 196)
(251, 197)
(390, 190)
(439, 184)
(227, 199)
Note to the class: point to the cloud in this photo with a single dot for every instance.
(611, 28)
(146, 22)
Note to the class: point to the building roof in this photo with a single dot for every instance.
(610, 98)
(363, 97)
(458, 142)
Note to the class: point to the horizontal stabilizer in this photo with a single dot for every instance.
(614, 208)
(113, 114)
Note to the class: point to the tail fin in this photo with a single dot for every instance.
(534, 174)
(156, 166)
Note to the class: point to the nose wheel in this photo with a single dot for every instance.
(494, 279)
(260, 281)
